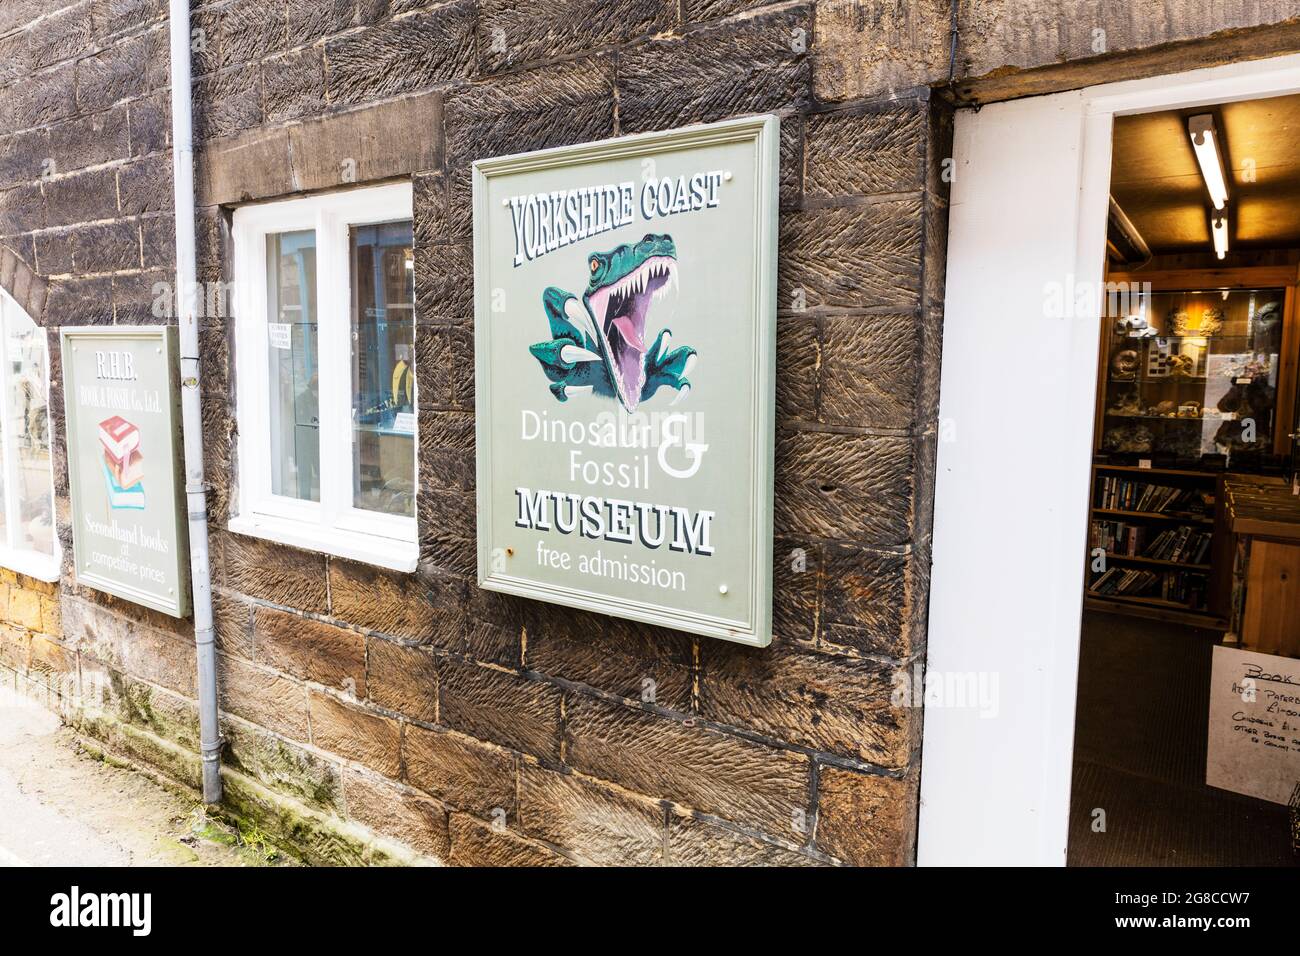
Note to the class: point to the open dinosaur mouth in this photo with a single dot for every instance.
(621, 309)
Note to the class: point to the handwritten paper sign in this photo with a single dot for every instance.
(1254, 744)
(120, 392)
(280, 334)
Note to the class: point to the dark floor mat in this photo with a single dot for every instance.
(1153, 823)
(1139, 755)
(1144, 691)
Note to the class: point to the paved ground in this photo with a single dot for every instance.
(59, 806)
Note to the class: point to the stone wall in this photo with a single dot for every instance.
(372, 716)
(583, 738)
(1011, 48)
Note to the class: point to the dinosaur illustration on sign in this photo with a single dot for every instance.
(598, 342)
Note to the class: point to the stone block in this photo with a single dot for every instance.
(311, 650)
(298, 771)
(866, 820)
(397, 812)
(310, 20)
(694, 766)
(500, 706)
(874, 601)
(54, 251)
(856, 487)
(402, 678)
(158, 241)
(356, 734)
(262, 697)
(400, 605)
(864, 256)
(446, 441)
(474, 843)
(511, 35)
(27, 105)
(145, 186)
(403, 55)
(63, 34)
(85, 141)
(447, 533)
(227, 102)
(1004, 38)
(110, 17)
(294, 84)
(824, 702)
(149, 119)
(276, 573)
(15, 57)
(115, 73)
(22, 155)
(250, 166)
(633, 660)
(755, 64)
(80, 301)
(869, 371)
(444, 292)
(81, 197)
(570, 102)
(233, 622)
(872, 47)
(798, 368)
(106, 247)
(461, 772)
(251, 30)
(796, 590)
(880, 148)
(696, 842)
(390, 139)
(599, 824)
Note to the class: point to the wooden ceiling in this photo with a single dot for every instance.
(1155, 179)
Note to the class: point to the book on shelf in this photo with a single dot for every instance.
(1127, 582)
(1179, 587)
(1126, 494)
(1183, 544)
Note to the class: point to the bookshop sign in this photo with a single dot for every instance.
(120, 392)
(625, 322)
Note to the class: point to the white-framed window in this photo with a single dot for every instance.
(324, 295)
(28, 542)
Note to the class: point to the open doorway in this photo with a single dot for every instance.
(1028, 227)
(1195, 412)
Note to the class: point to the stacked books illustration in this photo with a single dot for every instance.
(123, 462)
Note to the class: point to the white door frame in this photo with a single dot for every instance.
(1027, 233)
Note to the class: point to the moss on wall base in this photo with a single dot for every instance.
(313, 837)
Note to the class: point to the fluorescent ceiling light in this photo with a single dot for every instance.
(1205, 143)
(1219, 227)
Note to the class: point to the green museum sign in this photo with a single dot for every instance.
(122, 406)
(625, 326)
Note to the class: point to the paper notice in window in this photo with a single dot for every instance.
(280, 334)
(404, 423)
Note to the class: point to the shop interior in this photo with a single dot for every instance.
(1193, 551)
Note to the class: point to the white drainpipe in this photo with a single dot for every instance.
(191, 396)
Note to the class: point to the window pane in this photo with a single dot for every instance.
(27, 405)
(383, 368)
(295, 379)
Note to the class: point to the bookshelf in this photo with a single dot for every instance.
(1197, 372)
(1151, 547)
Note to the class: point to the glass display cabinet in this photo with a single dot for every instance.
(1194, 374)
